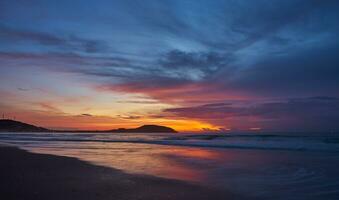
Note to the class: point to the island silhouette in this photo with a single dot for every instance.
(7, 125)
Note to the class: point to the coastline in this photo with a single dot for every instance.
(26, 175)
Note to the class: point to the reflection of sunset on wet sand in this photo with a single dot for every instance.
(140, 158)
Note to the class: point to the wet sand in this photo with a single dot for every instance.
(26, 175)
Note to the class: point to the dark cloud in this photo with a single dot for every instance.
(10, 34)
(23, 89)
(313, 114)
(67, 62)
(86, 115)
(70, 42)
(307, 72)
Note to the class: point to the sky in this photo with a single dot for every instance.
(194, 65)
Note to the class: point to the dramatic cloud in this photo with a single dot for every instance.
(181, 54)
(86, 115)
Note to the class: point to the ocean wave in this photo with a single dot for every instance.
(271, 142)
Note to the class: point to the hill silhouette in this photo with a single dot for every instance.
(146, 129)
(7, 125)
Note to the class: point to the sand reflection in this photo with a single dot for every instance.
(181, 163)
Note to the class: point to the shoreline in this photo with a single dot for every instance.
(26, 175)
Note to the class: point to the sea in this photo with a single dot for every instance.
(261, 166)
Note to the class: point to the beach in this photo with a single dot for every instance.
(169, 166)
(28, 176)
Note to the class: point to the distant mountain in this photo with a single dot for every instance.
(7, 125)
(146, 129)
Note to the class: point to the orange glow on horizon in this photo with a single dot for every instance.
(100, 111)
(81, 122)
